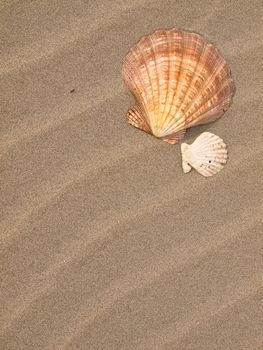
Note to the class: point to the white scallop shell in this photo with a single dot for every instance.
(207, 154)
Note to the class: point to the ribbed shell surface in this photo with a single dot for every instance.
(178, 80)
(207, 154)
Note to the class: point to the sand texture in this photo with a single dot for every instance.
(104, 243)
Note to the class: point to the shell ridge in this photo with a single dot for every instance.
(198, 63)
(178, 79)
(211, 96)
(205, 139)
(155, 108)
(135, 91)
(170, 77)
(204, 85)
(190, 82)
(143, 101)
(147, 111)
(152, 112)
(211, 108)
(158, 71)
(137, 119)
(174, 121)
(141, 46)
(175, 137)
(215, 150)
(202, 102)
(180, 122)
(168, 80)
(175, 90)
(204, 144)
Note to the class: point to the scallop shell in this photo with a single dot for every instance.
(207, 154)
(178, 80)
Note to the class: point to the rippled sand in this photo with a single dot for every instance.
(105, 243)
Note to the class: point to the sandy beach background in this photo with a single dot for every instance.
(105, 243)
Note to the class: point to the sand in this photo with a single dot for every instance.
(105, 243)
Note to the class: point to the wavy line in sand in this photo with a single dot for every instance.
(60, 41)
(79, 175)
(140, 280)
(79, 249)
(211, 309)
(136, 280)
(72, 35)
(58, 117)
(59, 188)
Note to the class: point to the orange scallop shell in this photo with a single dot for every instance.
(179, 81)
